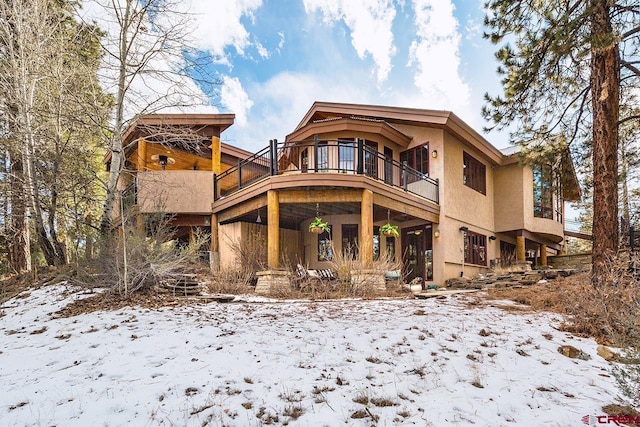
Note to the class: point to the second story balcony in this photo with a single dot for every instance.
(328, 158)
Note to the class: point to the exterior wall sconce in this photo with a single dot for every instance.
(463, 228)
(492, 237)
(434, 153)
(436, 234)
(163, 160)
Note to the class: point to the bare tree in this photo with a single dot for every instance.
(149, 65)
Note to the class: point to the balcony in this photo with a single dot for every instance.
(175, 191)
(326, 157)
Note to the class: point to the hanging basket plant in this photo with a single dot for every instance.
(318, 226)
(389, 230)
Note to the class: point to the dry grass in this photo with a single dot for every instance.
(608, 313)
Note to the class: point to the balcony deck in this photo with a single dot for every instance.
(336, 162)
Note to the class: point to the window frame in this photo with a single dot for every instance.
(325, 251)
(349, 239)
(416, 158)
(475, 248)
(474, 173)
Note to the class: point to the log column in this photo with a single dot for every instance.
(273, 229)
(366, 228)
(520, 252)
(543, 255)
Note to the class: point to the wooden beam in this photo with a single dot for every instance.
(366, 228)
(577, 235)
(242, 208)
(320, 196)
(422, 213)
(273, 229)
(215, 244)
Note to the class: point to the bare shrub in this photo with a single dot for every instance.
(241, 276)
(136, 260)
(346, 262)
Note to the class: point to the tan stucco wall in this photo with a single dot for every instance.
(231, 235)
(462, 206)
(510, 187)
(176, 191)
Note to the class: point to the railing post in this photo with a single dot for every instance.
(215, 186)
(239, 174)
(404, 175)
(437, 190)
(315, 153)
(273, 148)
(360, 166)
(135, 190)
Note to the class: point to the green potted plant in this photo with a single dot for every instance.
(318, 226)
(389, 230)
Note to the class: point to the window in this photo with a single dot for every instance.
(346, 155)
(475, 248)
(388, 165)
(418, 159)
(547, 193)
(350, 241)
(325, 250)
(304, 160)
(376, 243)
(322, 162)
(371, 159)
(391, 248)
(474, 174)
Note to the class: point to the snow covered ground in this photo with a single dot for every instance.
(352, 363)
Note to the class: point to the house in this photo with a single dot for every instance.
(461, 205)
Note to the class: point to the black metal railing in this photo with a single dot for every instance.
(343, 156)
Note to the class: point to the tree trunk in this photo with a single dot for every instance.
(605, 93)
(18, 238)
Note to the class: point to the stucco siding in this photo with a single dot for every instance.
(510, 188)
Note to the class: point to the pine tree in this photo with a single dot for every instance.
(562, 79)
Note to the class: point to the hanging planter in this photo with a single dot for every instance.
(318, 226)
(389, 230)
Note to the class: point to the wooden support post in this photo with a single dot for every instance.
(366, 228)
(273, 230)
(141, 166)
(216, 155)
(520, 252)
(214, 261)
(543, 255)
(141, 161)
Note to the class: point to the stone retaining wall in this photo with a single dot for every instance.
(574, 261)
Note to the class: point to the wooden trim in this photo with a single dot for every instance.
(384, 194)
(320, 196)
(242, 208)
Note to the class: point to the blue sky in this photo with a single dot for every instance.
(276, 57)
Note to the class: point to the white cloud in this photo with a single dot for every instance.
(217, 24)
(235, 99)
(434, 54)
(370, 23)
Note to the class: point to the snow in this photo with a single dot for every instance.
(261, 361)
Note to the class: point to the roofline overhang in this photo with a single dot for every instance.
(350, 124)
(421, 117)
